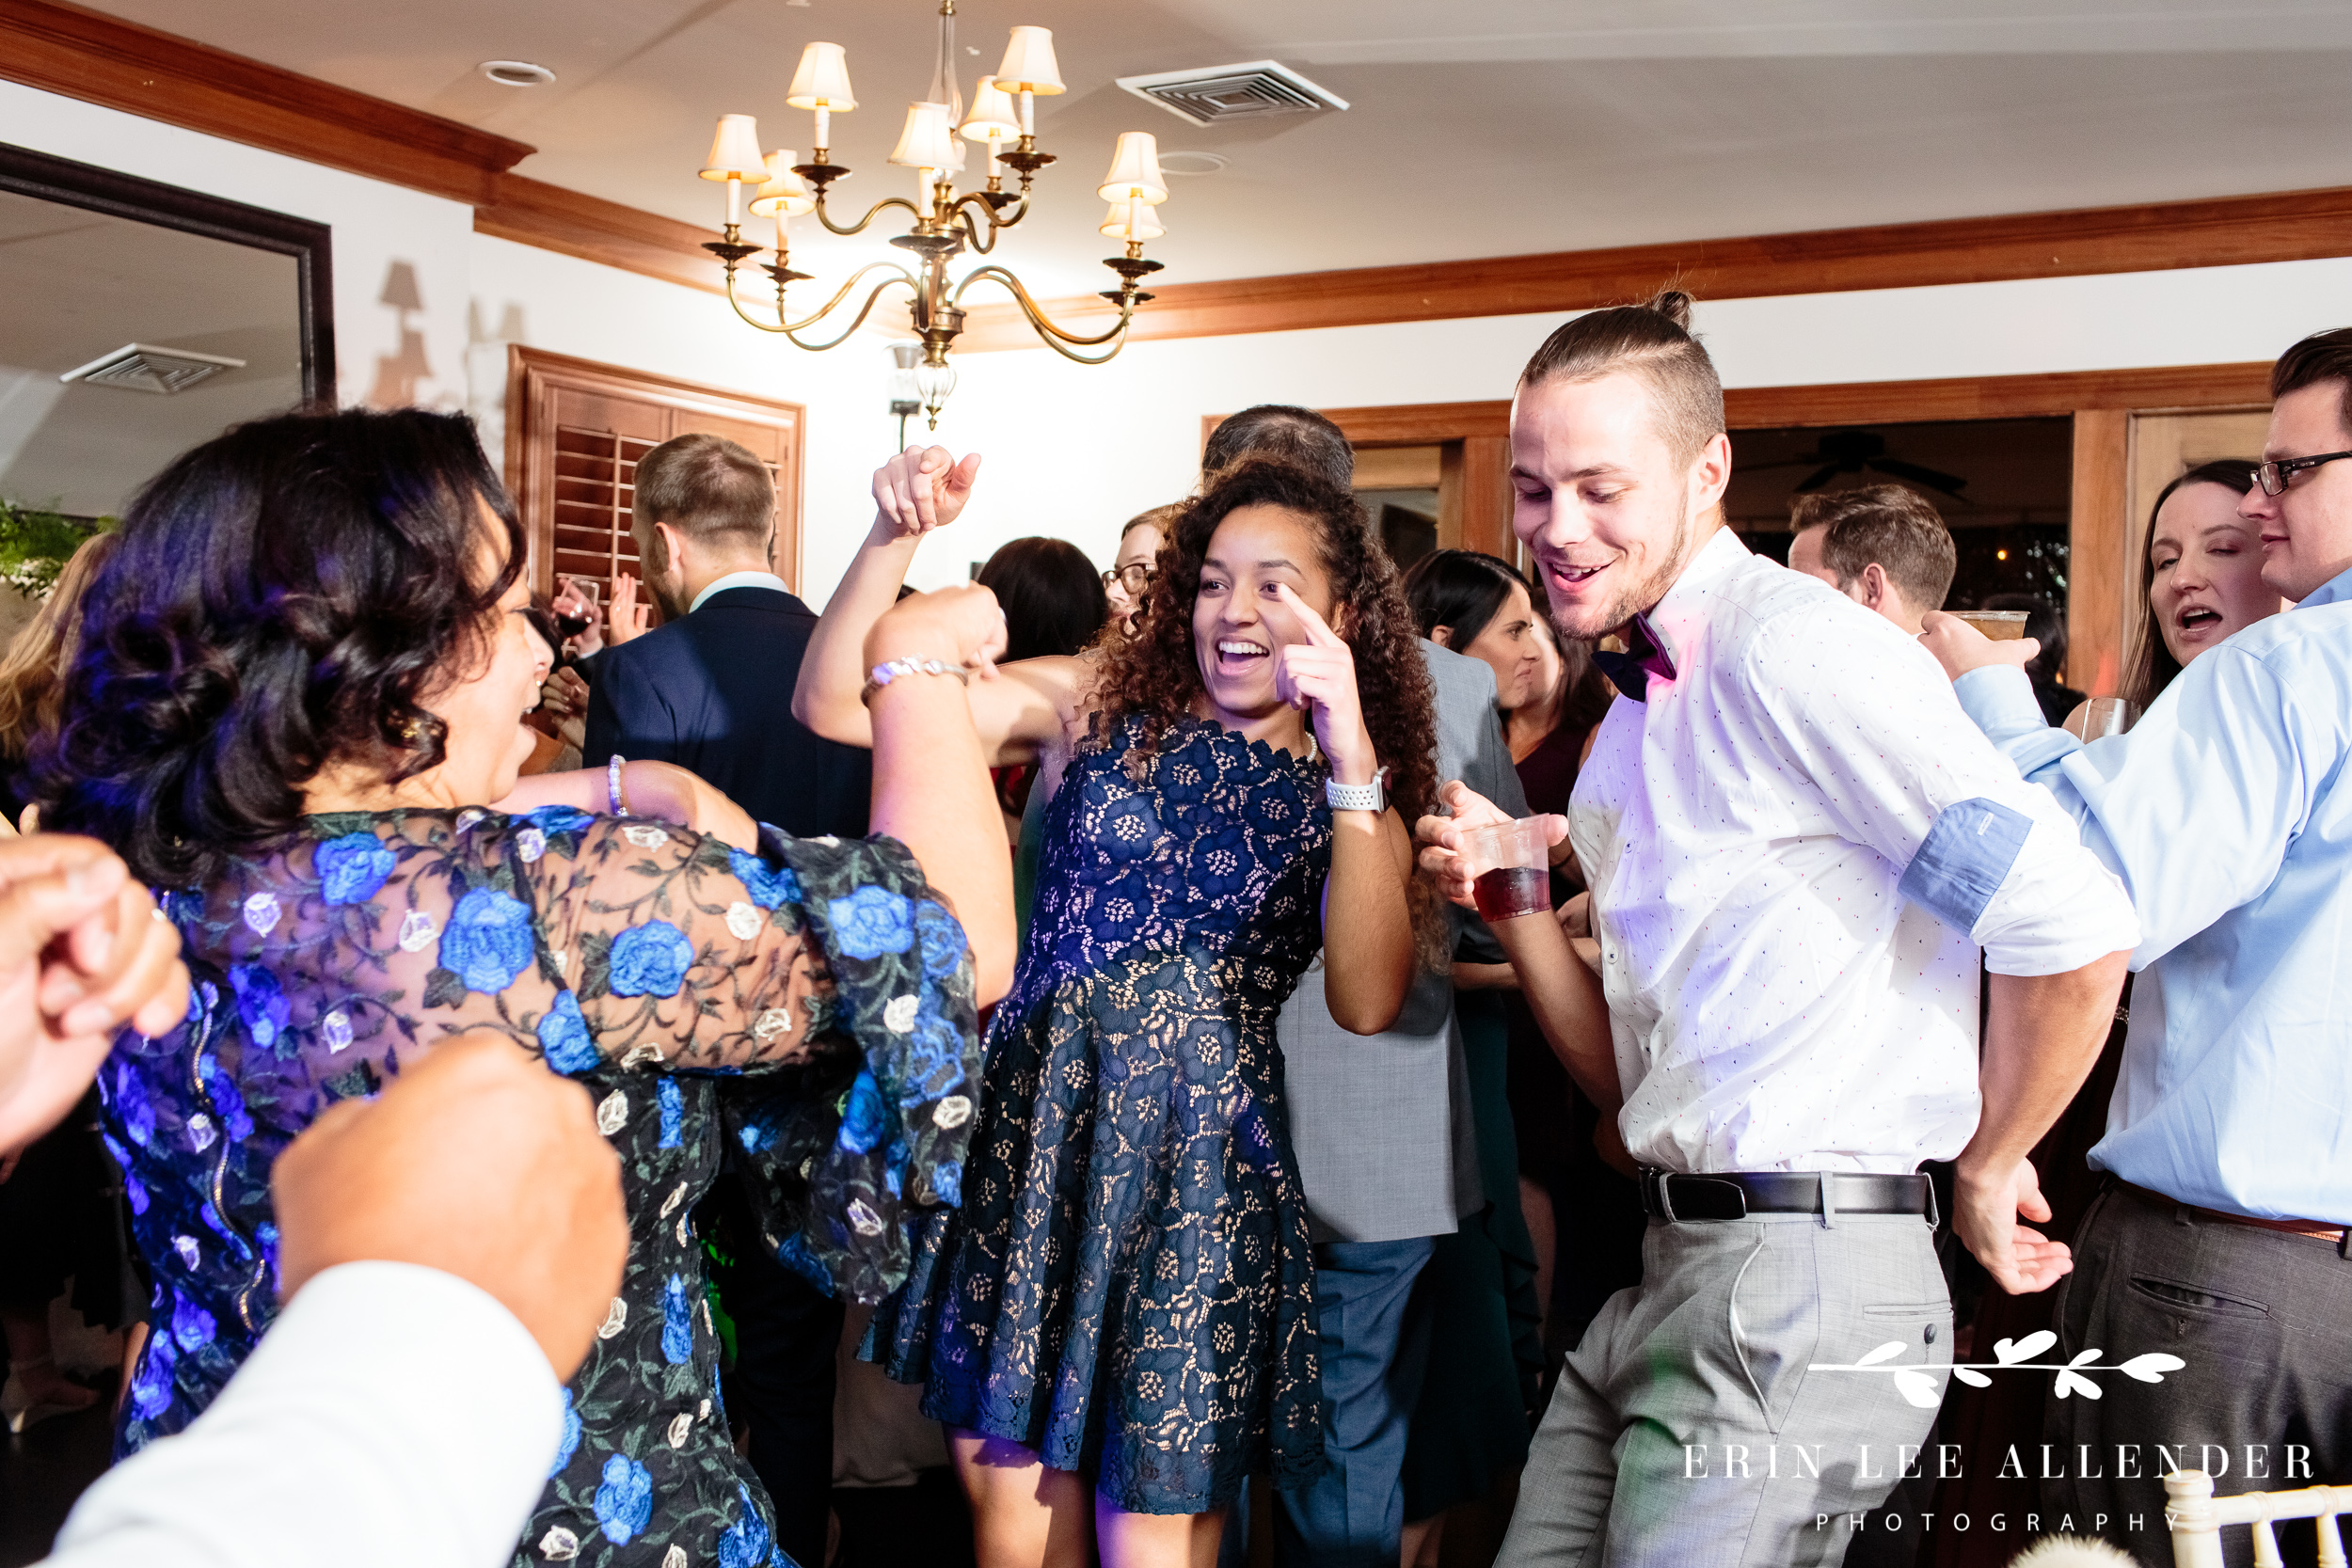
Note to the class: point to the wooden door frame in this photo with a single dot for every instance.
(1476, 506)
(534, 375)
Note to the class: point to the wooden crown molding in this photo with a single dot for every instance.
(2221, 231)
(101, 59)
(1970, 397)
(86, 54)
(533, 213)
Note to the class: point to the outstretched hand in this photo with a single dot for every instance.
(1318, 677)
(1986, 1208)
(1443, 840)
(921, 489)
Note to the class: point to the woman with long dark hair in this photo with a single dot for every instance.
(2201, 576)
(299, 703)
(1125, 1303)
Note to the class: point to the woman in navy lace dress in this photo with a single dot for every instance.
(1125, 1303)
(300, 690)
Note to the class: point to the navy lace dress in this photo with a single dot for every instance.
(649, 963)
(1128, 1286)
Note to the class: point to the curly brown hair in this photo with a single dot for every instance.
(1155, 677)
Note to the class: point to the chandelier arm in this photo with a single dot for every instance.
(1054, 337)
(872, 214)
(789, 328)
(863, 311)
(974, 206)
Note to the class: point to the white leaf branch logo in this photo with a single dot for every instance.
(1916, 1381)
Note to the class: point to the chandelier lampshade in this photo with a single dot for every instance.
(822, 81)
(784, 191)
(735, 151)
(992, 117)
(1135, 174)
(928, 140)
(1029, 65)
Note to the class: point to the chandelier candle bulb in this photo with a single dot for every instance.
(735, 158)
(929, 141)
(822, 84)
(783, 192)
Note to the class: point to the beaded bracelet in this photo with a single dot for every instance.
(884, 674)
(613, 794)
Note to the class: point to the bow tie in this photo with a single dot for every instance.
(1646, 655)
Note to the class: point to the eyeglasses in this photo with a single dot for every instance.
(1137, 578)
(2273, 476)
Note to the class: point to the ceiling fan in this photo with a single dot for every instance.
(1851, 451)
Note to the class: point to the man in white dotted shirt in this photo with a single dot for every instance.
(1797, 845)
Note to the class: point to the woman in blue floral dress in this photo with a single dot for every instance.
(1119, 1324)
(302, 683)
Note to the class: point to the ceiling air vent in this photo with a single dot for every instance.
(1253, 90)
(143, 368)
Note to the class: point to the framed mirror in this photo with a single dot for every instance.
(137, 319)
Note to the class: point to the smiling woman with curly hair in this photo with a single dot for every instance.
(1125, 1297)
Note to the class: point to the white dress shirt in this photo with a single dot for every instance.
(738, 579)
(393, 1417)
(1795, 847)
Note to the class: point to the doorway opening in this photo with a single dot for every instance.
(2003, 487)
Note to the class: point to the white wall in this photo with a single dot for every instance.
(1073, 451)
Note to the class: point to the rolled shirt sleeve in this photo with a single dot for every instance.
(393, 1415)
(1904, 770)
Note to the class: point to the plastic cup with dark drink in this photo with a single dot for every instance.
(1515, 869)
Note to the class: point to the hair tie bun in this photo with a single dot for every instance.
(1673, 303)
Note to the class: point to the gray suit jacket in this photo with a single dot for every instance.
(1381, 1123)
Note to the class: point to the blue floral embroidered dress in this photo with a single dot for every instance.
(647, 962)
(1129, 1284)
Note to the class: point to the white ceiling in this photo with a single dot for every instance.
(1479, 128)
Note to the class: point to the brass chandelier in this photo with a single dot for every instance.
(946, 223)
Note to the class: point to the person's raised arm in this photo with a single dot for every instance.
(931, 789)
(920, 489)
(1560, 990)
(1368, 952)
(915, 492)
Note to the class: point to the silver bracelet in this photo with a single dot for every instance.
(890, 670)
(612, 794)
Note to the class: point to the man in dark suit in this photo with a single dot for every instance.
(711, 691)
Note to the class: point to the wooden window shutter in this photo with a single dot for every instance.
(574, 433)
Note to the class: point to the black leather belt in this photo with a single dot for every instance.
(1736, 1195)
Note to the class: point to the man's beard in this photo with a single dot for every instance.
(1591, 624)
(669, 595)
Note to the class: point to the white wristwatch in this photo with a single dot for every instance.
(1362, 797)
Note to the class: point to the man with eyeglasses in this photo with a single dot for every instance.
(2220, 1237)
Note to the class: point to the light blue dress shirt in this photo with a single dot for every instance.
(2222, 813)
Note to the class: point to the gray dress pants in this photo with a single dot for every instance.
(1687, 1427)
(2263, 1322)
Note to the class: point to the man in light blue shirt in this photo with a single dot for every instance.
(2221, 1237)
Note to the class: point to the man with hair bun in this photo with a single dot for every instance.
(1797, 843)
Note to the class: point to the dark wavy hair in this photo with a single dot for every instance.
(285, 596)
(1155, 674)
(1459, 589)
(2152, 666)
(1052, 595)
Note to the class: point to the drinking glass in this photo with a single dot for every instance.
(2001, 626)
(1513, 867)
